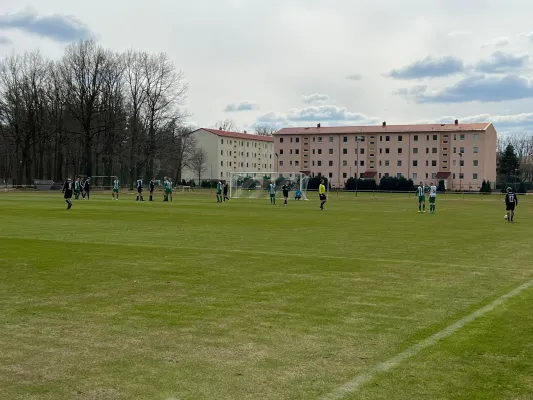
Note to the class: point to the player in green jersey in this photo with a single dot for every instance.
(116, 187)
(166, 189)
(219, 191)
(272, 191)
(421, 193)
(432, 197)
(77, 189)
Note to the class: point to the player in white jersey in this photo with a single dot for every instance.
(432, 197)
(116, 187)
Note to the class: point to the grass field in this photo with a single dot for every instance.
(197, 300)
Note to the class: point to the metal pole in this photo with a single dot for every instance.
(357, 168)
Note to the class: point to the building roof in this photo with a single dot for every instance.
(239, 135)
(377, 129)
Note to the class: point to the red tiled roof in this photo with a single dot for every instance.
(370, 174)
(421, 128)
(443, 175)
(239, 135)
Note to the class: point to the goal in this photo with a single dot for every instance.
(254, 185)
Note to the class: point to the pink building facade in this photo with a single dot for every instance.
(463, 155)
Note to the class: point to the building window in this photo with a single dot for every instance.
(313, 151)
(330, 174)
(362, 151)
(280, 152)
(344, 163)
(462, 136)
(433, 163)
(297, 151)
(344, 175)
(400, 150)
(434, 150)
(427, 138)
(433, 175)
(427, 150)
(320, 139)
(400, 138)
(415, 150)
(454, 175)
(474, 176)
(461, 175)
(386, 175)
(313, 163)
(476, 136)
(414, 176)
(345, 139)
(387, 138)
(280, 163)
(387, 151)
(435, 137)
(362, 163)
(476, 150)
(330, 151)
(415, 139)
(427, 163)
(415, 163)
(454, 150)
(380, 150)
(398, 175)
(319, 163)
(461, 163)
(461, 150)
(256, 143)
(380, 163)
(290, 163)
(455, 163)
(386, 163)
(344, 151)
(476, 163)
(221, 163)
(330, 163)
(221, 152)
(319, 151)
(331, 139)
(297, 140)
(296, 163)
(399, 163)
(381, 138)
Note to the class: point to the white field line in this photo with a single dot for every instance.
(251, 251)
(353, 385)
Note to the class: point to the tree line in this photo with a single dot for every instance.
(94, 112)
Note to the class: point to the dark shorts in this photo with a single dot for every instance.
(285, 194)
(322, 196)
(510, 207)
(139, 190)
(68, 194)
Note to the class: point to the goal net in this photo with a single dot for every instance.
(253, 185)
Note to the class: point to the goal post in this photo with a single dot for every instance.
(254, 185)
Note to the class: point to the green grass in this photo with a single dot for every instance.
(198, 300)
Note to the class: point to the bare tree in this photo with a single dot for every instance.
(265, 130)
(198, 162)
(227, 125)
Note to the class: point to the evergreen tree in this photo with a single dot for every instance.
(509, 162)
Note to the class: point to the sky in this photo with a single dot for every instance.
(302, 62)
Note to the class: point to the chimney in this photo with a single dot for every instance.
(244, 131)
(318, 125)
(456, 122)
(384, 124)
(220, 129)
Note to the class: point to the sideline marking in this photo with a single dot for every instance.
(352, 386)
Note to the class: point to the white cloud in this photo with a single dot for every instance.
(315, 98)
(497, 42)
(354, 77)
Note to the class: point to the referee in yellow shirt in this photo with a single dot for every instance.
(322, 194)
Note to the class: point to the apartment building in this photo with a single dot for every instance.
(463, 155)
(228, 152)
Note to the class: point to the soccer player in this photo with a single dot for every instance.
(116, 187)
(322, 194)
(219, 191)
(140, 189)
(225, 189)
(272, 191)
(170, 188)
(166, 187)
(87, 188)
(77, 189)
(68, 188)
(511, 201)
(285, 189)
(82, 187)
(432, 197)
(151, 187)
(421, 192)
